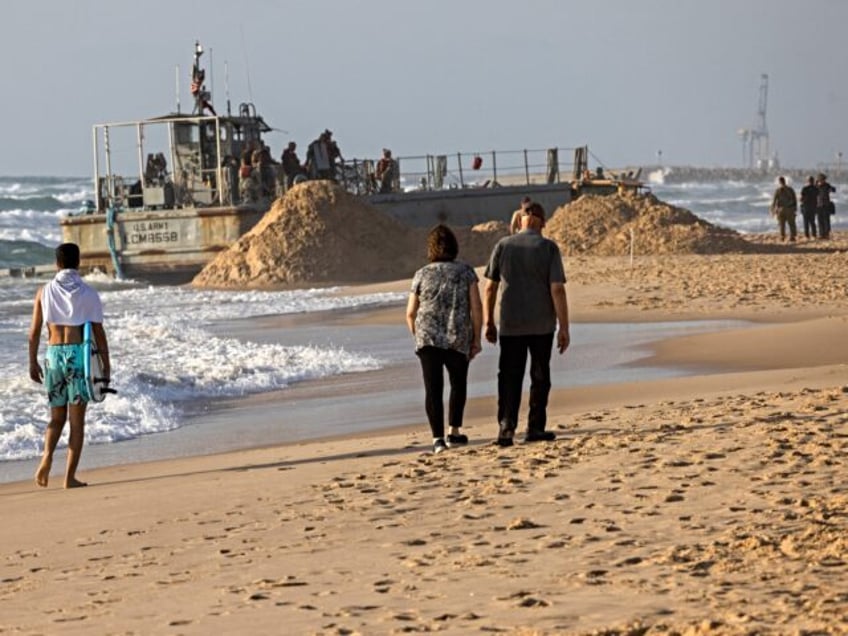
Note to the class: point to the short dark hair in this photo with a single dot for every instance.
(535, 209)
(441, 244)
(68, 256)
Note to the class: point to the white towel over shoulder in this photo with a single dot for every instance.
(69, 300)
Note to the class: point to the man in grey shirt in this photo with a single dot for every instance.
(528, 269)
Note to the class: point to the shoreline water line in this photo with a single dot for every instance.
(367, 401)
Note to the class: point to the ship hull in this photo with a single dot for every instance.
(167, 246)
(468, 206)
(172, 246)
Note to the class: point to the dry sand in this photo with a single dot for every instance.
(710, 504)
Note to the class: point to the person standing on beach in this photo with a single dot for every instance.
(528, 269)
(824, 206)
(444, 314)
(515, 221)
(809, 202)
(66, 303)
(784, 206)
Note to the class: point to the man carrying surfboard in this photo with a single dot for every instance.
(66, 303)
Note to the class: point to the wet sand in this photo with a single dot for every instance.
(708, 504)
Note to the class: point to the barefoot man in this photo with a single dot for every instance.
(66, 303)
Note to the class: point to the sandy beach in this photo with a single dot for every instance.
(714, 503)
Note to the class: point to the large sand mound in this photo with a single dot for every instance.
(602, 225)
(320, 234)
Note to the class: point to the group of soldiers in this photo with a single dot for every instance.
(322, 161)
(259, 177)
(257, 174)
(816, 207)
(262, 177)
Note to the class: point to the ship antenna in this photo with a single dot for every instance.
(227, 87)
(246, 63)
(177, 87)
(211, 78)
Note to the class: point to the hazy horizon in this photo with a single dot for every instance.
(627, 79)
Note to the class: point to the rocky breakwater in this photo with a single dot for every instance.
(693, 174)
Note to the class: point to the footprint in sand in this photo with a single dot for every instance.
(522, 523)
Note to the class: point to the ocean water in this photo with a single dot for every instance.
(738, 205)
(164, 340)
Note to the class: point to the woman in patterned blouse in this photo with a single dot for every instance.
(444, 313)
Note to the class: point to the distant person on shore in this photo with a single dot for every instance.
(528, 270)
(66, 303)
(444, 314)
(784, 206)
(824, 206)
(515, 221)
(809, 203)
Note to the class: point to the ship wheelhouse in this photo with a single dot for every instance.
(194, 160)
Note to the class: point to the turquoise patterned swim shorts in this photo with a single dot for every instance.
(64, 375)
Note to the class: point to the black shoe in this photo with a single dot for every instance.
(505, 435)
(540, 436)
(439, 446)
(457, 440)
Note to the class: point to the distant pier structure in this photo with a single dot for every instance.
(760, 163)
(755, 140)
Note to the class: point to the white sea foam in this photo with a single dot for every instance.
(31, 225)
(657, 177)
(165, 358)
(74, 197)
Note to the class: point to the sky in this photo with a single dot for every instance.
(629, 78)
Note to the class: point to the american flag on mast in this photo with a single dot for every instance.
(196, 81)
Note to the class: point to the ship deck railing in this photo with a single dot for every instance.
(478, 169)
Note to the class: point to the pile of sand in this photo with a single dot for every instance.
(601, 226)
(320, 234)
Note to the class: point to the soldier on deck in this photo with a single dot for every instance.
(291, 165)
(386, 171)
(249, 185)
(198, 90)
(318, 159)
